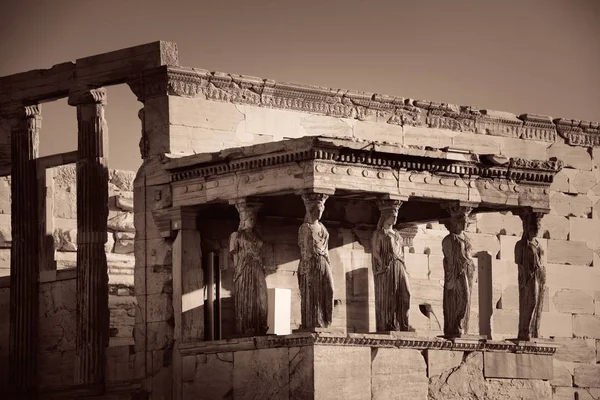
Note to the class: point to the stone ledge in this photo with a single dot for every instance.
(394, 340)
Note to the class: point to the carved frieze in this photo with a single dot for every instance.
(579, 133)
(217, 86)
(538, 127)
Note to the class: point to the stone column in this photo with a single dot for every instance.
(392, 289)
(24, 269)
(459, 271)
(315, 278)
(529, 258)
(92, 214)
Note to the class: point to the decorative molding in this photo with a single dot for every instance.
(172, 219)
(365, 340)
(579, 133)
(240, 89)
(517, 169)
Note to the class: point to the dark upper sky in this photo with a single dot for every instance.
(534, 56)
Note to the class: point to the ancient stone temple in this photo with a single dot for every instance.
(283, 241)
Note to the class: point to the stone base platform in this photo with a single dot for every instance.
(363, 366)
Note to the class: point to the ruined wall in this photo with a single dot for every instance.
(57, 295)
(571, 317)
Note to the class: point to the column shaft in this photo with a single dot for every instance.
(92, 214)
(24, 271)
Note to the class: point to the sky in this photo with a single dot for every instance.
(520, 56)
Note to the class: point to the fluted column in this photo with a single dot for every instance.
(24, 270)
(92, 213)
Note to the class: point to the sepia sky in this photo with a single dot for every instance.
(521, 56)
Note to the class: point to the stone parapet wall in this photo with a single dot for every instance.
(372, 366)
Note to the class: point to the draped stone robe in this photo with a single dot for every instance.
(392, 290)
(532, 281)
(458, 283)
(315, 278)
(249, 283)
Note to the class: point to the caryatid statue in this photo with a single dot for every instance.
(532, 276)
(459, 270)
(392, 289)
(249, 276)
(314, 271)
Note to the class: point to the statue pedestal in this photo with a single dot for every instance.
(320, 365)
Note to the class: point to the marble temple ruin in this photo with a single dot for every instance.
(284, 241)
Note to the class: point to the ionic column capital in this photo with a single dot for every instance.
(87, 96)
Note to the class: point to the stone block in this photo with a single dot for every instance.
(585, 230)
(575, 350)
(505, 322)
(213, 378)
(573, 156)
(573, 301)
(586, 326)
(417, 265)
(569, 252)
(201, 113)
(301, 361)
(584, 277)
(422, 136)
(477, 143)
(582, 181)
(529, 149)
(279, 311)
(439, 361)
(556, 325)
(560, 182)
(587, 375)
(555, 227)
(569, 205)
(567, 393)
(517, 366)
(484, 243)
(507, 247)
(374, 131)
(261, 374)
(159, 307)
(561, 375)
(342, 373)
(398, 374)
(122, 222)
(499, 224)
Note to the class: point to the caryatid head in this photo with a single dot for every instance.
(459, 218)
(532, 222)
(315, 205)
(388, 213)
(248, 212)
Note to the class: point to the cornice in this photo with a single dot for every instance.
(240, 89)
(395, 340)
(518, 169)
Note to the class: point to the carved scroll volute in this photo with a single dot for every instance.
(392, 289)
(529, 257)
(459, 270)
(249, 276)
(315, 278)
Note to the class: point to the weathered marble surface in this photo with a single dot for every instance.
(392, 288)
(315, 277)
